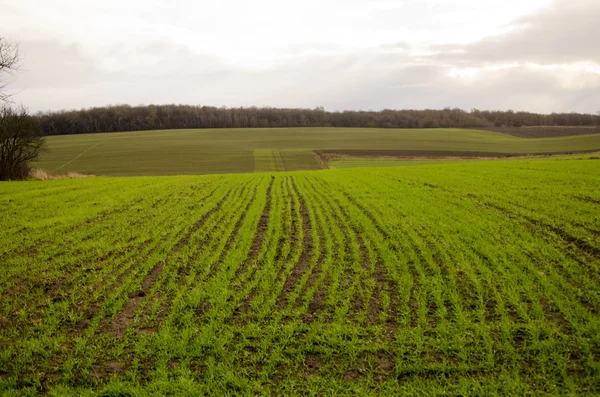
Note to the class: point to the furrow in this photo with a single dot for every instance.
(124, 317)
(321, 295)
(303, 239)
(264, 268)
(259, 235)
(388, 280)
(197, 262)
(106, 287)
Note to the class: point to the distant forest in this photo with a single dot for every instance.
(155, 117)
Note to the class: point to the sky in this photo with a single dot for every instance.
(535, 55)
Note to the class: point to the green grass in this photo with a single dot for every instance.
(466, 278)
(349, 162)
(177, 152)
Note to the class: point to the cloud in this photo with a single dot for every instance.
(565, 32)
(53, 65)
(526, 88)
(375, 81)
(545, 61)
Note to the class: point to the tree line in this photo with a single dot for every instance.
(154, 117)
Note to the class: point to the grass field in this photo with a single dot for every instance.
(437, 279)
(378, 163)
(177, 152)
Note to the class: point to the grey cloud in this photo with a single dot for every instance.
(158, 57)
(50, 64)
(61, 76)
(567, 31)
(525, 89)
(57, 76)
(351, 82)
(398, 46)
(429, 87)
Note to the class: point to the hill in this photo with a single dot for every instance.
(172, 152)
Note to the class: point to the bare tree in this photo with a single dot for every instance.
(9, 61)
(21, 138)
(21, 141)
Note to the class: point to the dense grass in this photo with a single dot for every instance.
(177, 152)
(466, 278)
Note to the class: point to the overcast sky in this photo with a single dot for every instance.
(537, 55)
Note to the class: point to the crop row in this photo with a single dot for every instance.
(427, 279)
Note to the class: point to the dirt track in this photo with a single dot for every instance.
(332, 154)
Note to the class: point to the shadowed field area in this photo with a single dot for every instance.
(437, 279)
(175, 152)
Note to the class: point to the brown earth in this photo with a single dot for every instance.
(329, 155)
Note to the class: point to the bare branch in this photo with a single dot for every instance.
(9, 62)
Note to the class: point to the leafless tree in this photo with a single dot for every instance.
(21, 138)
(21, 141)
(9, 61)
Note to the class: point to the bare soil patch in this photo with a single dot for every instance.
(358, 154)
(126, 316)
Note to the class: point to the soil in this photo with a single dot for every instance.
(328, 155)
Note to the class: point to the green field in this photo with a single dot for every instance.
(267, 160)
(182, 152)
(378, 163)
(447, 279)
